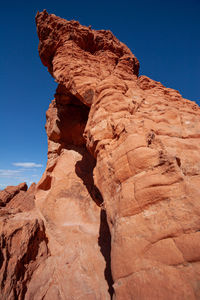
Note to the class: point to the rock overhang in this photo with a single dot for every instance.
(58, 37)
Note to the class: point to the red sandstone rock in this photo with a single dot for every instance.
(118, 205)
(10, 192)
(23, 243)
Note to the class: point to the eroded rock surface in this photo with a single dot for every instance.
(23, 242)
(116, 213)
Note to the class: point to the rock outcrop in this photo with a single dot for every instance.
(23, 242)
(116, 213)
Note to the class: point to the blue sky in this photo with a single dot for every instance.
(164, 35)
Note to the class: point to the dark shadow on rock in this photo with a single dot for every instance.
(104, 242)
(84, 170)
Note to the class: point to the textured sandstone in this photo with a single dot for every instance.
(10, 192)
(23, 243)
(116, 213)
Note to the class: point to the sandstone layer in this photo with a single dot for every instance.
(116, 213)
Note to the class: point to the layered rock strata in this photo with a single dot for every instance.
(116, 213)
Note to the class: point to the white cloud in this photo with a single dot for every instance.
(9, 173)
(3, 185)
(27, 165)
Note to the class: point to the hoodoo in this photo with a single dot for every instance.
(116, 214)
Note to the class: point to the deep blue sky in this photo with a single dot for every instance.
(164, 35)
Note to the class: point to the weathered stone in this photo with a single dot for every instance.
(10, 192)
(116, 212)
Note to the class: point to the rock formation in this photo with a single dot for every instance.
(116, 213)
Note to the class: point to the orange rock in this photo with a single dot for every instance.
(23, 243)
(116, 212)
(10, 192)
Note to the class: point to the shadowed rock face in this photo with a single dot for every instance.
(116, 213)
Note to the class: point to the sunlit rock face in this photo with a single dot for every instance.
(116, 213)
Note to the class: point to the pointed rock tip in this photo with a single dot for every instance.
(43, 13)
